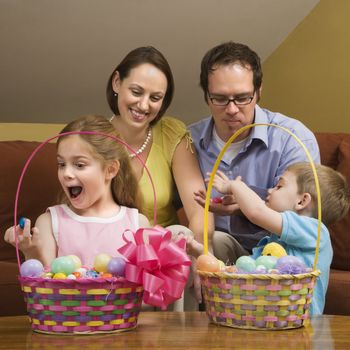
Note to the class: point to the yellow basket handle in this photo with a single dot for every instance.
(215, 168)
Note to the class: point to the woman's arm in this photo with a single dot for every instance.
(188, 178)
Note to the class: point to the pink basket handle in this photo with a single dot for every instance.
(38, 148)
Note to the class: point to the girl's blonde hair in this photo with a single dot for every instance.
(335, 193)
(124, 186)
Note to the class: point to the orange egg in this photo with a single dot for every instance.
(208, 263)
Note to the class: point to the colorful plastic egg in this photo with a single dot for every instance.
(274, 249)
(63, 264)
(222, 266)
(266, 260)
(231, 269)
(260, 269)
(77, 274)
(101, 262)
(245, 263)
(208, 263)
(59, 275)
(77, 261)
(22, 222)
(31, 268)
(116, 266)
(92, 274)
(81, 271)
(47, 275)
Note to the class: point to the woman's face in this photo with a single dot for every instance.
(140, 94)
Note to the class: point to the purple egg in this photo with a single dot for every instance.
(290, 264)
(116, 266)
(31, 268)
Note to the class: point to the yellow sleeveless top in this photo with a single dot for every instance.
(167, 133)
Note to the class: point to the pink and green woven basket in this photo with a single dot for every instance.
(258, 301)
(82, 305)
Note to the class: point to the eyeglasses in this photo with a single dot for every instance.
(238, 101)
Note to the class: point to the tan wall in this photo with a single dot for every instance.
(28, 131)
(308, 76)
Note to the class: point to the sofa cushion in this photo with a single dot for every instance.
(11, 296)
(329, 147)
(39, 188)
(340, 231)
(335, 153)
(338, 296)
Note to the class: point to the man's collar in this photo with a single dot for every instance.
(207, 132)
(259, 132)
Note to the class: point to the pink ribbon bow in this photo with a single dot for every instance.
(159, 264)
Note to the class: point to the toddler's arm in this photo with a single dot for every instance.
(251, 205)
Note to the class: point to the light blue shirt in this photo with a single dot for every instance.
(266, 154)
(299, 236)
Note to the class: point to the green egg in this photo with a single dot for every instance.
(268, 261)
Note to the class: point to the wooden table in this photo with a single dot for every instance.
(182, 330)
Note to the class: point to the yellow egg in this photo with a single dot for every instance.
(59, 275)
(274, 249)
(221, 265)
(208, 263)
(101, 262)
(77, 261)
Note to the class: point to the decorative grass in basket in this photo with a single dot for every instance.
(267, 301)
(156, 271)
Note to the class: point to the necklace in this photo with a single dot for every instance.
(144, 145)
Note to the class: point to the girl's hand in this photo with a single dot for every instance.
(27, 238)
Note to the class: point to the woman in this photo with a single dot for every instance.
(139, 91)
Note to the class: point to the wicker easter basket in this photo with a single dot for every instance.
(85, 305)
(258, 301)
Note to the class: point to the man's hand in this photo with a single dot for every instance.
(227, 205)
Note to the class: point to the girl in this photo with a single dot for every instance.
(100, 199)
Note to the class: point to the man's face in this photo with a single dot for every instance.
(228, 82)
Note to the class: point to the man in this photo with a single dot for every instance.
(231, 79)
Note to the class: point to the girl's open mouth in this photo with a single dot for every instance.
(74, 191)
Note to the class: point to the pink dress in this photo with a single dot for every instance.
(86, 237)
